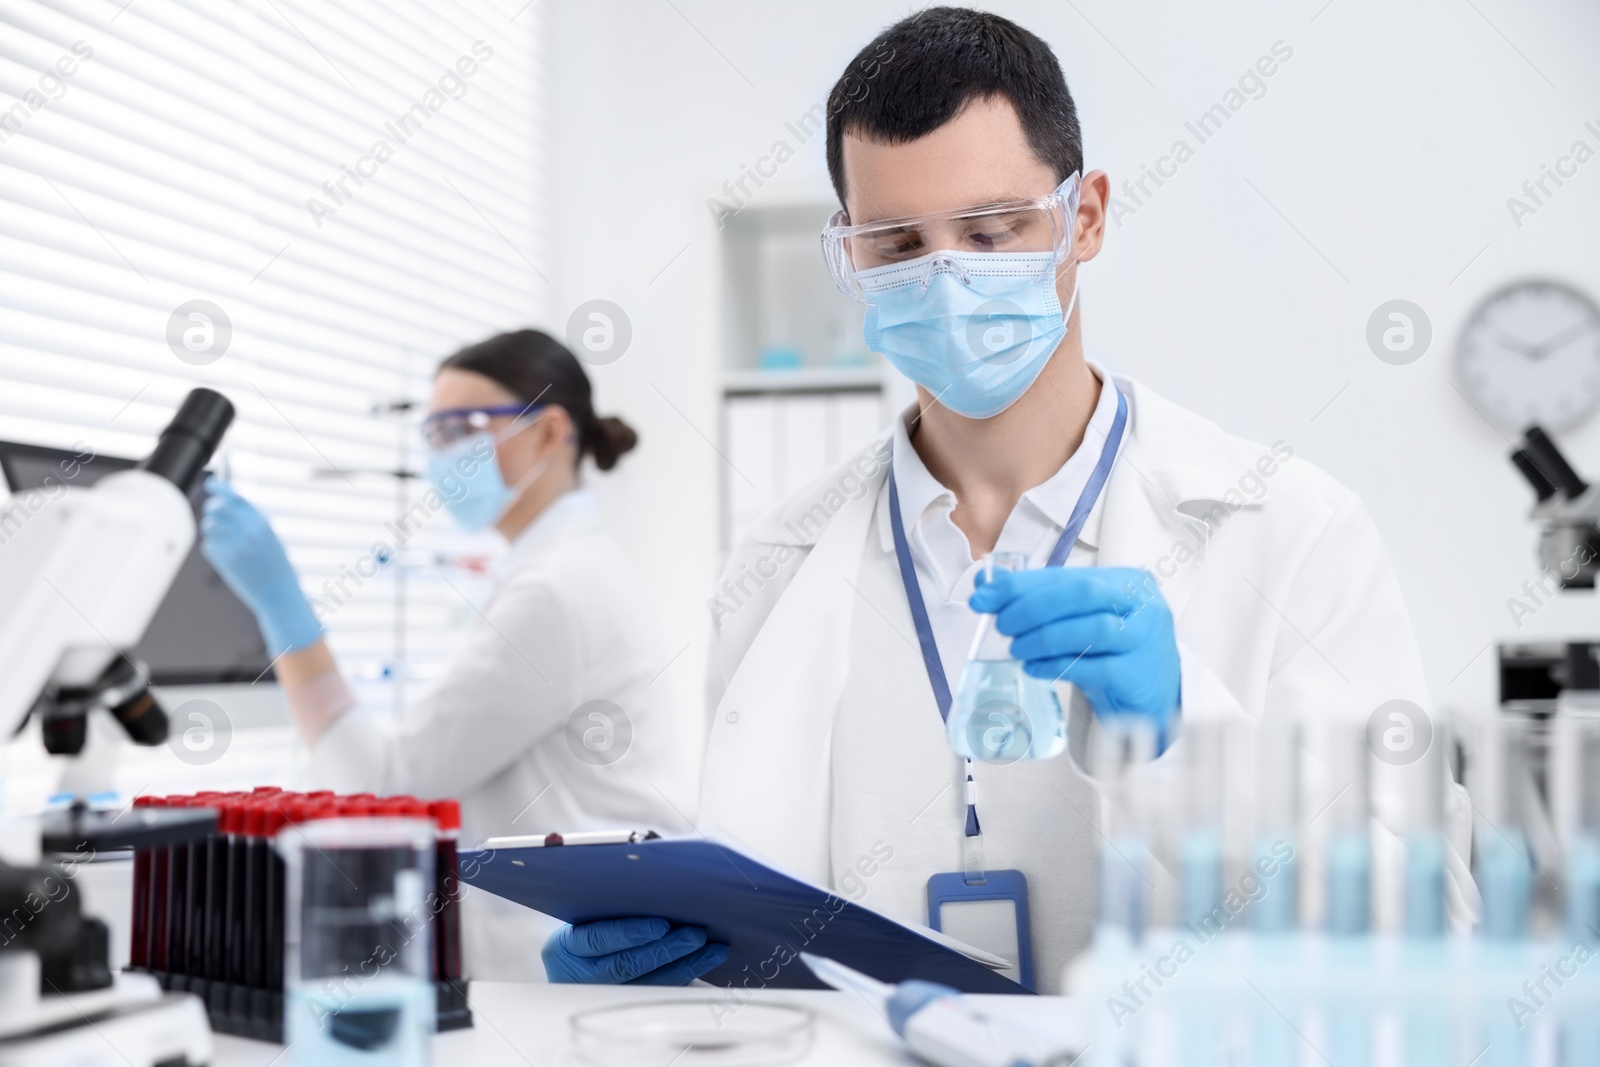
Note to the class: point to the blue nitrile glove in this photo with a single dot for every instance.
(1107, 630)
(238, 541)
(641, 951)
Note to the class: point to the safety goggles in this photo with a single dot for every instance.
(444, 428)
(1042, 224)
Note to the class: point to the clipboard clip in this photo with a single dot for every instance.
(582, 837)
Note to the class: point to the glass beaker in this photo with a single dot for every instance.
(1001, 713)
(358, 954)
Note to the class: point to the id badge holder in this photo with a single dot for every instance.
(989, 911)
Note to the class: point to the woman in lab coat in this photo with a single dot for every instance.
(546, 720)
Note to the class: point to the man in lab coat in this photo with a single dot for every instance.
(1204, 576)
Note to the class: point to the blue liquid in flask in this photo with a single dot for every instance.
(1002, 714)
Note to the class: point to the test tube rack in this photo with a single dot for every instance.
(208, 917)
(1194, 994)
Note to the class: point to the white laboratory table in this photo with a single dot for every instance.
(527, 1025)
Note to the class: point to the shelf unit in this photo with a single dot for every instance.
(799, 389)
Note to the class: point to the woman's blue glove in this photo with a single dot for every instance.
(1107, 630)
(238, 541)
(641, 951)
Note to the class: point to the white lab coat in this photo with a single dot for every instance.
(1283, 596)
(563, 628)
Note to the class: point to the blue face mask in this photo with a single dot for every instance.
(467, 477)
(972, 328)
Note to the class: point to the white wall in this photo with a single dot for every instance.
(1390, 141)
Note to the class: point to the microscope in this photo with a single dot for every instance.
(1553, 684)
(1567, 511)
(80, 580)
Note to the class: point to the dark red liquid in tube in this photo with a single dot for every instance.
(447, 879)
(238, 907)
(175, 925)
(253, 925)
(139, 933)
(189, 954)
(198, 892)
(216, 908)
(274, 886)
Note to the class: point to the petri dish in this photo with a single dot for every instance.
(693, 1033)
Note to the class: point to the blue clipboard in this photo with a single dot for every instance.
(767, 918)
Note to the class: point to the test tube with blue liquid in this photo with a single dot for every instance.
(1576, 779)
(1347, 860)
(358, 988)
(1575, 785)
(1347, 857)
(1418, 774)
(1207, 910)
(1119, 747)
(1200, 849)
(1505, 868)
(1502, 788)
(1275, 839)
(1001, 713)
(1274, 857)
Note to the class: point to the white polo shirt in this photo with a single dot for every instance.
(945, 565)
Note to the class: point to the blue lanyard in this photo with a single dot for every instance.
(1058, 556)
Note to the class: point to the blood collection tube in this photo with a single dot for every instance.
(139, 933)
(216, 907)
(237, 907)
(176, 922)
(275, 816)
(255, 885)
(408, 807)
(447, 873)
(156, 920)
(191, 948)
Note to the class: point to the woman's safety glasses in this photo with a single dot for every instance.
(444, 428)
(1042, 224)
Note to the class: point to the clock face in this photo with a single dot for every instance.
(1530, 354)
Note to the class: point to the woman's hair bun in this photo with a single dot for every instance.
(609, 438)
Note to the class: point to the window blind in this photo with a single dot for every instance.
(303, 204)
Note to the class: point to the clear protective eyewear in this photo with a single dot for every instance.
(444, 428)
(1041, 224)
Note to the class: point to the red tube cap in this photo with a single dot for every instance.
(447, 813)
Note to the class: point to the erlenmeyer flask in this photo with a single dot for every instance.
(1002, 714)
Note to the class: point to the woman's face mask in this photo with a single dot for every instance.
(466, 475)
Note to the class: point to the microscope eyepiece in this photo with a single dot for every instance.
(1549, 461)
(187, 443)
(1543, 487)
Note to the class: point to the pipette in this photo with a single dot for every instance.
(941, 1025)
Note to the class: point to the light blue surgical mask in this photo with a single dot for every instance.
(972, 328)
(467, 477)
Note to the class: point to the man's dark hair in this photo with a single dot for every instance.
(916, 75)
